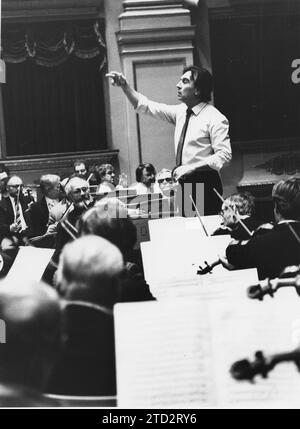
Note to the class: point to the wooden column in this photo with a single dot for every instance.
(155, 42)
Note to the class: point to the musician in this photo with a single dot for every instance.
(105, 176)
(39, 211)
(77, 192)
(110, 223)
(166, 185)
(202, 142)
(32, 318)
(14, 210)
(145, 179)
(165, 182)
(238, 206)
(88, 277)
(271, 252)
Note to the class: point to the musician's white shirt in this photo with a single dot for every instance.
(23, 223)
(51, 203)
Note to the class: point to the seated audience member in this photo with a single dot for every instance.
(88, 277)
(14, 211)
(120, 231)
(77, 192)
(105, 176)
(271, 252)
(32, 327)
(39, 211)
(4, 176)
(145, 179)
(238, 206)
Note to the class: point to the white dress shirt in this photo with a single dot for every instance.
(51, 203)
(207, 135)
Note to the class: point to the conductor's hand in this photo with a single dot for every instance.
(181, 171)
(117, 79)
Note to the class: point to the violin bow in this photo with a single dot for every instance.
(294, 233)
(235, 214)
(199, 216)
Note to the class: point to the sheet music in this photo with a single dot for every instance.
(163, 355)
(178, 353)
(165, 229)
(30, 264)
(272, 326)
(231, 284)
(180, 256)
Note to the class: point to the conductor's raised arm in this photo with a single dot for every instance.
(118, 79)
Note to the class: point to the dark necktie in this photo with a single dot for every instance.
(18, 216)
(182, 138)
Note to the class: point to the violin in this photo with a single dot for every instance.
(208, 267)
(261, 365)
(290, 277)
(69, 228)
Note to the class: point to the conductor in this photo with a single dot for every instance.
(202, 144)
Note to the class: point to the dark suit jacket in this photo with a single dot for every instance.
(270, 253)
(38, 217)
(87, 362)
(7, 214)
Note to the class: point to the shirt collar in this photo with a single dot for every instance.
(286, 221)
(197, 109)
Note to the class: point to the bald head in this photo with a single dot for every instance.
(89, 270)
(13, 185)
(77, 191)
(31, 313)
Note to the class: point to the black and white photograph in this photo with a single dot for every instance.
(149, 207)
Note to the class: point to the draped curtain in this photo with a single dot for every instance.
(53, 97)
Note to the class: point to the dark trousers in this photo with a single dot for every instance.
(199, 186)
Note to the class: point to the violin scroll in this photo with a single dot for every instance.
(208, 268)
(246, 370)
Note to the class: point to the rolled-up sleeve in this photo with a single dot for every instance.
(220, 142)
(156, 110)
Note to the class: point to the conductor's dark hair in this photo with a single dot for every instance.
(139, 171)
(286, 196)
(203, 81)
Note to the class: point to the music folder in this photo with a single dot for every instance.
(178, 353)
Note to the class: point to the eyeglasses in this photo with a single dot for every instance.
(166, 179)
(78, 190)
(15, 186)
